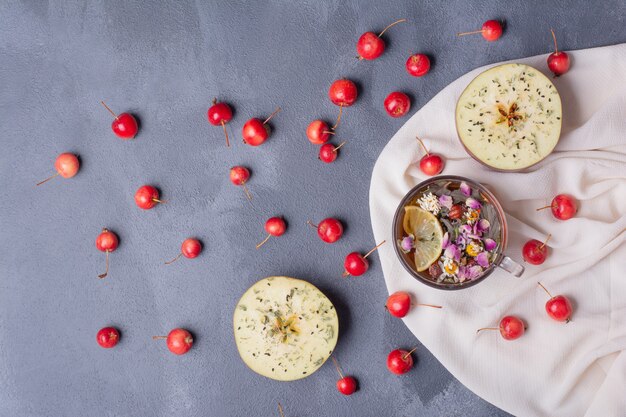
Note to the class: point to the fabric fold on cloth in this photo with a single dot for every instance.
(555, 369)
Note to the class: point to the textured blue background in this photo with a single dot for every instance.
(165, 62)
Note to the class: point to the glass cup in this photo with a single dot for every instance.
(500, 260)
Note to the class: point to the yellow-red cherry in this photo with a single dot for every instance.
(106, 242)
(535, 252)
(190, 249)
(397, 104)
(275, 227)
(563, 207)
(400, 361)
(318, 132)
(329, 230)
(430, 164)
(343, 93)
(347, 385)
(418, 65)
(239, 175)
(558, 61)
(66, 165)
(255, 131)
(370, 45)
(356, 264)
(491, 31)
(219, 114)
(329, 152)
(179, 341)
(558, 307)
(124, 125)
(147, 197)
(510, 328)
(108, 337)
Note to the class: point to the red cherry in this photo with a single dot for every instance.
(535, 252)
(106, 242)
(399, 303)
(397, 104)
(255, 131)
(510, 328)
(318, 132)
(558, 61)
(220, 114)
(418, 65)
(346, 385)
(124, 126)
(430, 164)
(329, 230)
(491, 31)
(343, 93)
(147, 197)
(400, 361)
(190, 249)
(356, 264)
(66, 165)
(370, 46)
(558, 307)
(108, 337)
(328, 152)
(239, 176)
(274, 226)
(179, 341)
(563, 207)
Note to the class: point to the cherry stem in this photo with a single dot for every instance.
(264, 241)
(406, 355)
(393, 24)
(46, 180)
(556, 49)
(280, 410)
(246, 192)
(310, 223)
(110, 111)
(543, 208)
(376, 247)
(226, 134)
(546, 241)
(338, 118)
(545, 289)
(272, 115)
(337, 367)
(106, 272)
(422, 146)
(158, 337)
(428, 305)
(469, 33)
(328, 132)
(339, 146)
(175, 259)
(487, 328)
(159, 201)
(345, 274)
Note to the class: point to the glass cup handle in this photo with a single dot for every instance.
(509, 265)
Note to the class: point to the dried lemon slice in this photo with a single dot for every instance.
(428, 236)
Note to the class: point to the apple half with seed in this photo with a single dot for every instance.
(285, 328)
(509, 117)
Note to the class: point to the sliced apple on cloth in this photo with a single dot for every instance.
(285, 328)
(509, 117)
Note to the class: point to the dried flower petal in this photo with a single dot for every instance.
(474, 272)
(472, 203)
(430, 203)
(452, 252)
(482, 259)
(482, 225)
(445, 241)
(445, 201)
(461, 242)
(490, 244)
(407, 243)
(465, 189)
